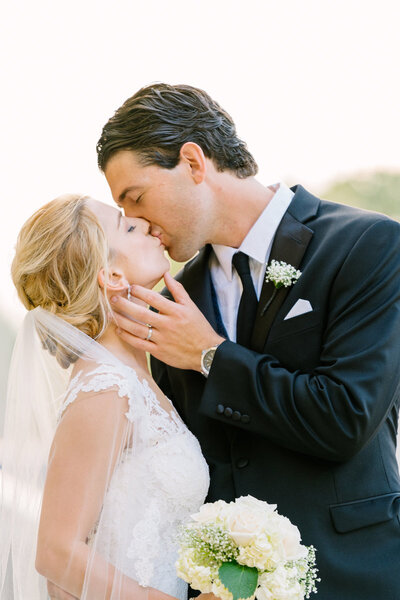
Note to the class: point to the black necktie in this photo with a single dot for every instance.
(248, 301)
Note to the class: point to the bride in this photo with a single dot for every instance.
(123, 472)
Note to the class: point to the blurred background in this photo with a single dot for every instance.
(313, 87)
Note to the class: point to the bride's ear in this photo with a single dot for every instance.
(115, 282)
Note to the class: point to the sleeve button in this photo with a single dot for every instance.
(245, 419)
(220, 409)
(228, 412)
(242, 462)
(236, 415)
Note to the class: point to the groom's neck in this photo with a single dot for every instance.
(238, 205)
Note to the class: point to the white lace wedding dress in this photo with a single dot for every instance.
(156, 485)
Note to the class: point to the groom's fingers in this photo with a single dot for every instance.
(137, 342)
(158, 301)
(154, 299)
(179, 330)
(135, 311)
(138, 330)
(177, 290)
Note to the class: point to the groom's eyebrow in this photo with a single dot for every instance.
(121, 197)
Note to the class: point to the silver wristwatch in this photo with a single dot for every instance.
(207, 356)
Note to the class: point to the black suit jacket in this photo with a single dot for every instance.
(307, 417)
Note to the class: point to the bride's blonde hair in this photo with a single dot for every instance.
(59, 253)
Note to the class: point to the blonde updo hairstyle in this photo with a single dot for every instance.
(59, 253)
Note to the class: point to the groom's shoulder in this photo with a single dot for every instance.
(338, 217)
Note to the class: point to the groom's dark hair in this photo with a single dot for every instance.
(160, 118)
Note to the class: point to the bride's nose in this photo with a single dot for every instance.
(155, 232)
(144, 226)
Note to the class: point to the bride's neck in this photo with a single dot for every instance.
(126, 354)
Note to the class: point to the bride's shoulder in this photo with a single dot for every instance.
(99, 383)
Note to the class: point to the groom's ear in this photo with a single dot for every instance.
(114, 280)
(193, 156)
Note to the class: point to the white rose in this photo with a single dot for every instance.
(244, 525)
(255, 504)
(211, 512)
(291, 540)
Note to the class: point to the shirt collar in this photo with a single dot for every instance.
(258, 241)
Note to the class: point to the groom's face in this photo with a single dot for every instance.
(168, 198)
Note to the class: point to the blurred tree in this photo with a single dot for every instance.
(378, 191)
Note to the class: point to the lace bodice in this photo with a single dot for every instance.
(158, 482)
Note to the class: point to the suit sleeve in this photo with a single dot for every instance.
(333, 411)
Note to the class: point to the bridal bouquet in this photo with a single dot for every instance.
(246, 549)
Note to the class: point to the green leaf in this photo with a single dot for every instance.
(240, 580)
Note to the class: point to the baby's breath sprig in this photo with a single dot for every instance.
(281, 274)
(307, 566)
(210, 543)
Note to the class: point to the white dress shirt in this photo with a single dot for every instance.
(257, 245)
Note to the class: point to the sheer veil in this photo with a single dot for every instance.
(44, 359)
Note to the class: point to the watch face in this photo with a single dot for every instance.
(208, 358)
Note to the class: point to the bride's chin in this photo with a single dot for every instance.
(155, 283)
(161, 277)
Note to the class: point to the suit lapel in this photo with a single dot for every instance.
(290, 243)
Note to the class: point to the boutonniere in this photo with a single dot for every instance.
(281, 274)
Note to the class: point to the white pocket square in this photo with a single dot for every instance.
(300, 308)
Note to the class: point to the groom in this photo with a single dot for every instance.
(292, 390)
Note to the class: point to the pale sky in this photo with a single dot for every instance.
(312, 85)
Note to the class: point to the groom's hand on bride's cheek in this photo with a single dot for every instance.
(176, 334)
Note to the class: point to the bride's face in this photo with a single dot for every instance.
(136, 254)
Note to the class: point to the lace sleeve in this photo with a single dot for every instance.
(99, 379)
